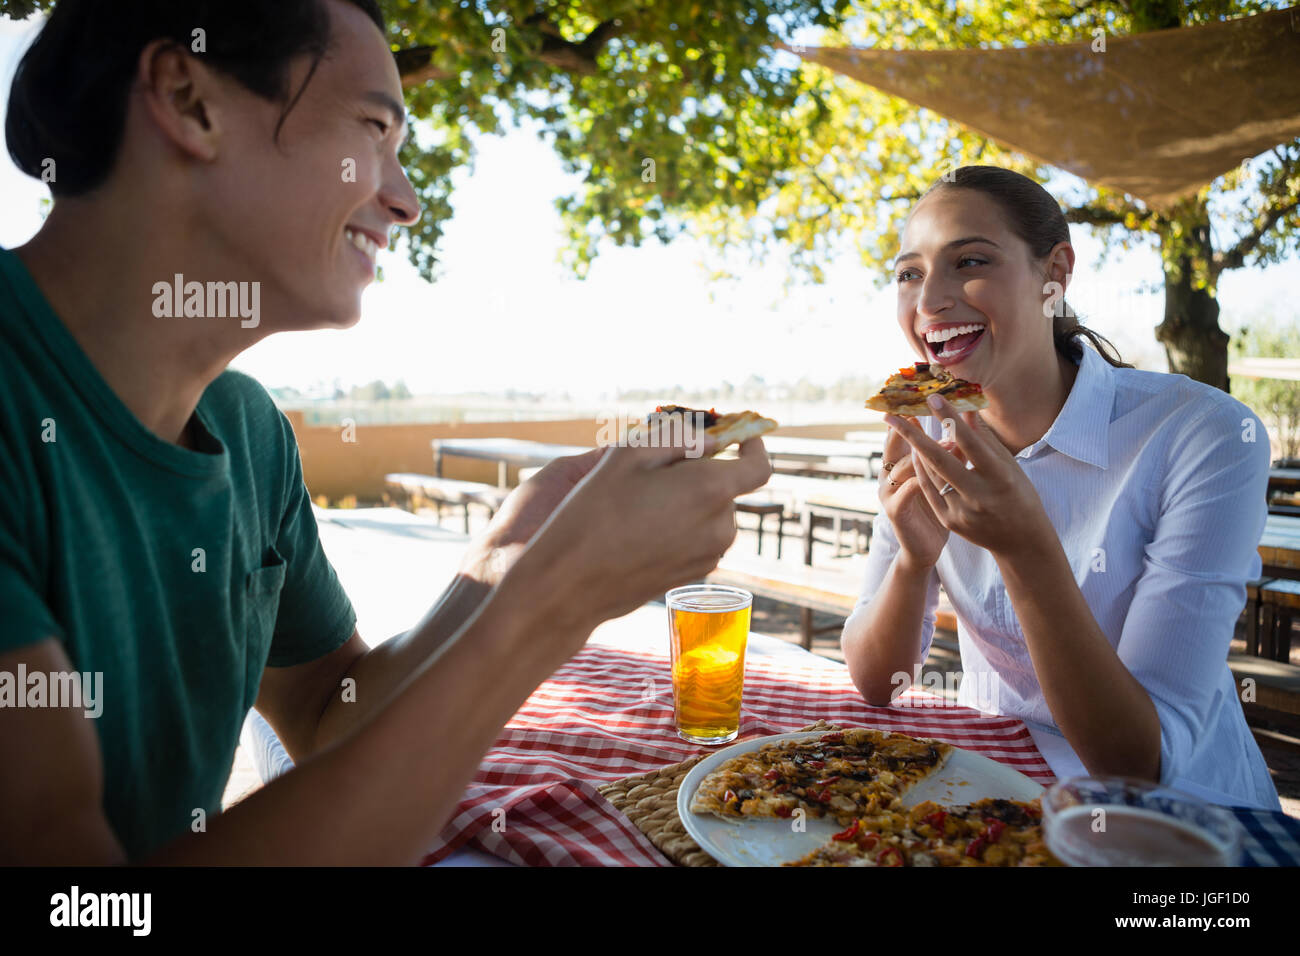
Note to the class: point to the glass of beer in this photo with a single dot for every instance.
(708, 626)
(1117, 821)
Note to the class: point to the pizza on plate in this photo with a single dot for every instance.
(905, 392)
(844, 774)
(989, 832)
(728, 429)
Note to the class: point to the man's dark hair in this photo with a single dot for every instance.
(69, 96)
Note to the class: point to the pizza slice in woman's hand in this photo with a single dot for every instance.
(905, 391)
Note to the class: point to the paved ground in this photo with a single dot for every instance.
(388, 610)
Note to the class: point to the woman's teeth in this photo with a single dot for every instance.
(362, 242)
(936, 339)
(935, 336)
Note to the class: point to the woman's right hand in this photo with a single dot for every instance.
(920, 534)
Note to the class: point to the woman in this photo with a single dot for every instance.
(1094, 527)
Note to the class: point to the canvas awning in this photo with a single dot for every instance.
(1157, 115)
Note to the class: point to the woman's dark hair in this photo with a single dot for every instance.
(69, 95)
(1034, 216)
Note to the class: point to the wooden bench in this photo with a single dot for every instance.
(828, 590)
(411, 491)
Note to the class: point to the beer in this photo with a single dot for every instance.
(1134, 836)
(708, 627)
(1118, 821)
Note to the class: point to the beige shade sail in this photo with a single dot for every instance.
(1157, 115)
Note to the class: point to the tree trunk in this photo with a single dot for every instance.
(1194, 343)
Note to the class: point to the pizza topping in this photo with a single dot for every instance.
(890, 856)
(853, 829)
(710, 418)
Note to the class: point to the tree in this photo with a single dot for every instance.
(1276, 401)
(679, 115)
(861, 172)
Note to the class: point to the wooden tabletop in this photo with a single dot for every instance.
(1284, 478)
(516, 451)
(1279, 545)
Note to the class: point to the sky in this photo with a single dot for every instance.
(506, 314)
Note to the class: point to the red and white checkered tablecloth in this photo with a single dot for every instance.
(608, 714)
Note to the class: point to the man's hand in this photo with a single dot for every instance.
(524, 512)
(643, 521)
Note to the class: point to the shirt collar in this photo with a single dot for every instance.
(1082, 429)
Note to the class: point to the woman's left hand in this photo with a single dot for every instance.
(990, 502)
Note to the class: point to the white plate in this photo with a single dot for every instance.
(965, 778)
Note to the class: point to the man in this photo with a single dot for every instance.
(155, 526)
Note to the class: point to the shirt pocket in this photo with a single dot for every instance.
(262, 606)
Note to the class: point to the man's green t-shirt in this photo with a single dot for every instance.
(177, 574)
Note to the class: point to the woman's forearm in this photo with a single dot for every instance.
(883, 641)
(1106, 715)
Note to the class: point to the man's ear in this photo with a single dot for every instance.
(177, 91)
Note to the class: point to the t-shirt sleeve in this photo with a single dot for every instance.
(315, 616)
(1180, 623)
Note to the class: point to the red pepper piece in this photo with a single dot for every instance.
(784, 811)
(729, 796)
(890, 856)
(907, 372)
(850, 833)
(976, 846)
(772, 774)
(995, 830)
(815, 764)
(826, 782)
(833, 738)
(936, 819)
(868, 840)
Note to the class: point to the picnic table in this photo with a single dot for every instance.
(504, 451)
(840, 457)
(1279, 547)
(1284, 479)
(1284, 491)
(607, 715)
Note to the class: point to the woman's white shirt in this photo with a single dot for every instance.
(1156, 486)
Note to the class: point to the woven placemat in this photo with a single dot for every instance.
(650, 801)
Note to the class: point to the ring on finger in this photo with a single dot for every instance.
(945, 489)
(888, 465)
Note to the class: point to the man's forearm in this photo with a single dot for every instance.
(1106, 715)
(384, 792)
(384, 668)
